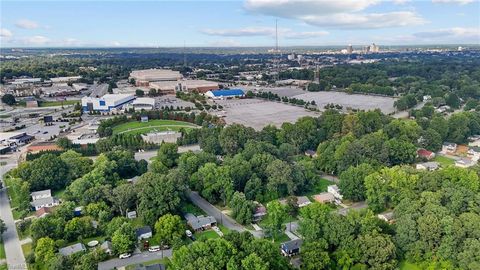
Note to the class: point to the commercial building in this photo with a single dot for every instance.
(170, 87)
(145, 76)
(224, 94)
(65, 79)
(106, 103)
(14, 139)
(144, 103)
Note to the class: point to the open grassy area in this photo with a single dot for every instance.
(210, 234)
(2, 249)
(27, 248)
(188, 207)
(404, 265)
(444, 161)
(57, 103)
(319, 187)
(152, 125)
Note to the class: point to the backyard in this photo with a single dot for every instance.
(152, 125)
(444, 161)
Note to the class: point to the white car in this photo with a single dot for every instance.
(188, 233)
(154, 248)
(124, 255)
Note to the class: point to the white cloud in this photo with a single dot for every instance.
(401, 2)
(35, 40)
(5, 33)
(116, 44)
(263, 31)
(460, 2)
(26, 24)
(335, 14)
(457, 32)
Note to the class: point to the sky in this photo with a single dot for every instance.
(240, 23)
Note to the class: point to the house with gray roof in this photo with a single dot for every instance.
(75, 248)
(44, 202)
(198, 223)
(291, 248)
(41, 194)
(143, 232)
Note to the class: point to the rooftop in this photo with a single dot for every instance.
(69, 250)
(230, 92)
(200, 221)
(155, 74)
(46, 192)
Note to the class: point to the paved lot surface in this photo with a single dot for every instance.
(171, 100)
(135, 259)
(13, 249)
(355, 101)
(258, 113)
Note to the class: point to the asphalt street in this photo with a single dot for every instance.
(135, 259)
(13, 249)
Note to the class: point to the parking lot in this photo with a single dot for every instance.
(260, 113)
(171, 100)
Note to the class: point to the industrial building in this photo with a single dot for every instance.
(170, 87)
(145, 76)
(224, 94)
(106, 103)
(144, 103)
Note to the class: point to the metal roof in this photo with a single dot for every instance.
(230, 92)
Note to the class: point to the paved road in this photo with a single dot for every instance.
(135, 259)
(13, 249)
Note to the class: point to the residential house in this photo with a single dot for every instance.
(143, 232)
(77, 211)
(425, 154)
(41, 194)
(200, 223)
(324, 197)
(42, 212)
(303, 201)
(449, 148)
(465, 163)
(291, 248)
(107, 247)
(474, 140)
(387, 217)
(132, 214)
(72, 249)
(260, 212)
(335, 191)
(44, 202)
(429, 166)
(474, 153)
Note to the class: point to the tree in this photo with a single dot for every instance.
(400, 151)
(124, 198)
(124, 239)
(315, 255)
(169, 229)
(139, 93)
(242, 209)
(79, 227)
(9, 99)
(352, 181)
(45, 172)
(3, 227)
(378, 251)
(76, 164)
(158, 195)
(253, 262)
(276, 215)
(232, 138)
(280, 179)
(168, 154)
(44, 250)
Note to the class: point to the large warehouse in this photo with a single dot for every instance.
(170, 87)
(144, 103)
(224, 94)
(106, 103)
(146, 76)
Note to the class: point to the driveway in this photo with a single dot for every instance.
(135, 259)
(354, 206)
(13, 249)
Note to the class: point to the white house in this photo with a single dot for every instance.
(335, 191)
(41, 194)
(465, 163)
(143, 232)
(429, 166)
(474, 153)
(44, 202)
(449, 147)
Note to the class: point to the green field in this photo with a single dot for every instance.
(2, 249)
(319, 187)
(404, 265)
(444, 161)
(152, 125)
(57, 103)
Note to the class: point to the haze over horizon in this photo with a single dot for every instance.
(248, 23)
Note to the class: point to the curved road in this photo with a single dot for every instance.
(13, 249)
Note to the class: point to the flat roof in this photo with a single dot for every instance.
(229, 92)
(155, 74)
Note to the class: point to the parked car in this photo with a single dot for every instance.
(188, 233)
(125, 255)
(154, 248)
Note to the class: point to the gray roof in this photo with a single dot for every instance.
(200, 221)
(46, 192)
(449, 144)
(430, 165)
(106, 245)
(43, 201)
(293, 244)
(143, 230)
(302, 200)
(69, 250)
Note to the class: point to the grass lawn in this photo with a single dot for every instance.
(27, 248)
(444, 161)
(57, 103)
(3, 266)
(164, 261)
(2, 249)
(188, 207)
(157, 125)
(404, 265)
(210, 234)
(59, 193)
(319, 187)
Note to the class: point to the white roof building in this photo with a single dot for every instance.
(106, 103)
(144, 103)
(152, 75)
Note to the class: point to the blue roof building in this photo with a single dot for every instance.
(220, 94)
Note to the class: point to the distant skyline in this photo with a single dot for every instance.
(237, 23)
